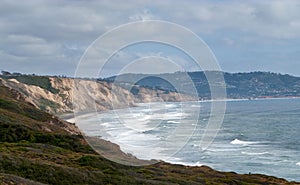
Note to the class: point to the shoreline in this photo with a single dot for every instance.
(251, 99)
(71, 116)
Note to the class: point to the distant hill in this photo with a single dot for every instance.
(238, 85)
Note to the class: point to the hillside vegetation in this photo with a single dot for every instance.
(40, 81)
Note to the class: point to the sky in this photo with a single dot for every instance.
(50, 37)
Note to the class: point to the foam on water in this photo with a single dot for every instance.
(136, 138)
(139, 152)
(195, 106)
(220, 150)
(240, 142)
(173, 121)
(255, 153)
(71, 120)
(198, 163)
(170, 105)
(108, 124)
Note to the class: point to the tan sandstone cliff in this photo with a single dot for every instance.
(87, 95)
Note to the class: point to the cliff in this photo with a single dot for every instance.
(62, 95)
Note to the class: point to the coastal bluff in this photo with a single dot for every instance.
(58, 95)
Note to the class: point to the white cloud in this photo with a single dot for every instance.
(142, 16)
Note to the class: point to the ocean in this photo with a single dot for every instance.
(256, 136)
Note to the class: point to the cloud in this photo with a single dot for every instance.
(29, 46)
(144, 15)
(151, 65)
(271, 19)
(60, 30)
(24, 39)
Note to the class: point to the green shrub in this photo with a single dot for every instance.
(40, 81)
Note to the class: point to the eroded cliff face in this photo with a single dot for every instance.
(87, 95)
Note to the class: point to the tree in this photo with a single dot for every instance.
(5, 73)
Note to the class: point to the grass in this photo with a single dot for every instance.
(47, 103)
(40, 81)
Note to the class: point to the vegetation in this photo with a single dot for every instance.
(47, 103)
(34, 148)
(40, 81)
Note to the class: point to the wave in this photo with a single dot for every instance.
(71, 120)
(255, 153)
(298, 163)
(240, 142)
(173, 122)
(222, 150)
(107, 124)
(195, 145)
(170, 105)
(187, 164)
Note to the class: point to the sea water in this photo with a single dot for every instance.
(256, 136)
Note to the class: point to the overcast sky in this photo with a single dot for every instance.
(49, 37)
